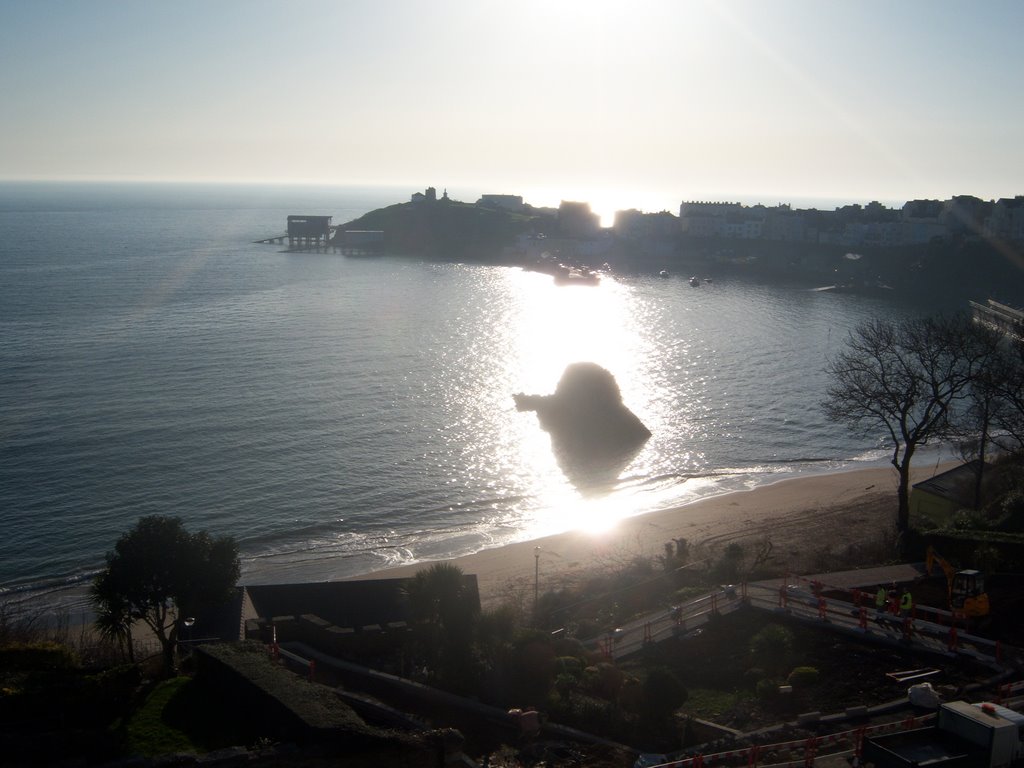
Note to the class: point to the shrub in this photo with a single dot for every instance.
(565, 683)
(1013, 509)
(663, 693)
(801, 677)
(570, 665)
(730, 565)
(767, 689)
(965, 520)
(753, 676)
(43, 655)
(604, 680)
(772, 647)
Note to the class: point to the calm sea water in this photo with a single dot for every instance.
(339, 415)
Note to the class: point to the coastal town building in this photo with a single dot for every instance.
(501, 202)
(635, 225)
(309, 231)
(917, 222)
(1006, 222)
(429, 196)
(577, 220)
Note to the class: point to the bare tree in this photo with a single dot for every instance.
(994, 415)
(908, 378)
(1008, 382)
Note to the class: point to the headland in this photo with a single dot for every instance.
(964, 247)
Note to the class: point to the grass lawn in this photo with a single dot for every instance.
(180, 715)
(147, 731)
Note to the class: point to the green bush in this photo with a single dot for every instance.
(772, 647)
(43, 655)
(604, 680)
(965, 520)
(570, 665)
(767, 689)
(753, 676)
(729, 567)
(663, 693)
(1013, 509)
(801, 677)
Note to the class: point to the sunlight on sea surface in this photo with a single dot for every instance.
(548, 328)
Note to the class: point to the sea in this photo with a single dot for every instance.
(337, 414)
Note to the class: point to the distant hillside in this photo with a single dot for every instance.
(447, 228)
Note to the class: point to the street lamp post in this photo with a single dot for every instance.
(189, 621)
(536, 581)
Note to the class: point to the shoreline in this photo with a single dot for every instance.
(808, 520)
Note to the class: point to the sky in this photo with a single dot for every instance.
(643, 104)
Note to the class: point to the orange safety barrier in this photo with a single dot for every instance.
(858, 742)
(810, 747)
(810, 750)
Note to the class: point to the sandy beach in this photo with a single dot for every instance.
(811, 522)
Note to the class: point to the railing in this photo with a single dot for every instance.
(808, 749)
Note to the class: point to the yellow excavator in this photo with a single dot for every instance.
(965, 588)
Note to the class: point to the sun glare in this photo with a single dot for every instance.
(552, 327)
(559, 325)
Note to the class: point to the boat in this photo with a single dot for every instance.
(695, 281)
(573, 276)
(663, 273)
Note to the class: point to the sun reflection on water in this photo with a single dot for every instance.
(548, 328)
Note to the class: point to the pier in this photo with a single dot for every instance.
(317, 233)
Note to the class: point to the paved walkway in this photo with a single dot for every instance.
(928, 629)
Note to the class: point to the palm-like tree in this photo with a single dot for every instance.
(443, 608)
(114, 618)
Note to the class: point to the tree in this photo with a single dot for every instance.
(1008, 382)
(443, 607)
(907, 377)
(663, 694)
(114, 622)
(159, 572)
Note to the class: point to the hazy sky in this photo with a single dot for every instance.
(646, 103)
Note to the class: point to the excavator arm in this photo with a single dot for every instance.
(932, 559)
